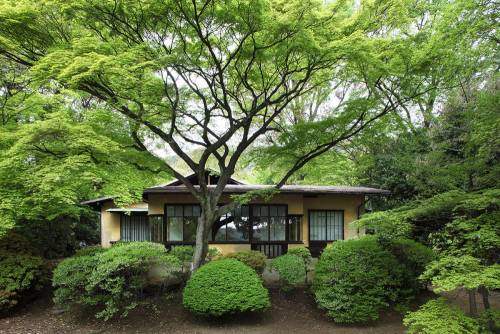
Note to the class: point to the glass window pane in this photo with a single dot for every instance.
(156, 229)
(219, 229)
(196, 211)
(334, 224)
(273, 210)
(125, 227)
(240, 229)
(237, 212)
(260, 229)
(174, 228)
(256, 211)
(281, 210)
(245, 211)
(338, 225)
(330, 226)
(188, 211)
(277, 229)
(178, 210)
(264, 211)
(190, 224)
(317, 225)
(139, 228)
(295, 228)
(170, 211)
(232, 233)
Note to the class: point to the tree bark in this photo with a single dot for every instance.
(472, 302)
(486, 302)
(205, 222)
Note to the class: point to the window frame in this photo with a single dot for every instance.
(326, 226)
(165, 232)
(285, 217)
(250, 241)
(123, 215)
(289, 217)
(235, 241)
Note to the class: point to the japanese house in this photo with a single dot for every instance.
(310, 216)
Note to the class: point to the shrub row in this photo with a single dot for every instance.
(116, 277)
(353, 279)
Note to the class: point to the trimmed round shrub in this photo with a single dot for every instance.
(225, 287)
(291, 270)
(355, 278)
(254, 259)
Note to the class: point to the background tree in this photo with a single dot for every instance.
(217, 75)
(57, 149)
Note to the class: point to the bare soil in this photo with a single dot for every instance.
(295, 312)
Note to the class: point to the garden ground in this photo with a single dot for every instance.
(295, 312)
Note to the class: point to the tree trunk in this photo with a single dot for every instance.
(472, 302)
(201, 250)
(486, 301)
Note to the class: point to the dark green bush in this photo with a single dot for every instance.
(115, 277)
(222, 287)
(254, 259)
(17, 244)
(22, 270)
(355, 278)
(291, 270)
(7, 300)
(412, 257)
(61, 236)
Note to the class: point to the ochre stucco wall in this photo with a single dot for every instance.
(110, 222)
(348, 203)
(296, 205)
(229, 248)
